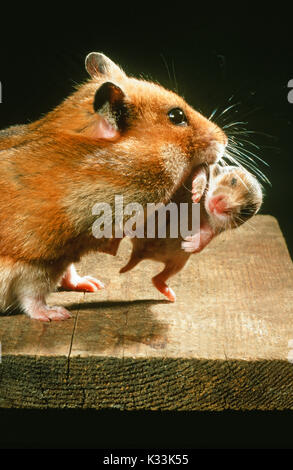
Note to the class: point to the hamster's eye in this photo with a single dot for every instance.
(233, 182)
(177, 117)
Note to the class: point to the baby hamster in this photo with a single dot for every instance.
(231, 197)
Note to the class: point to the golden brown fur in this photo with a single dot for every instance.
(54, 170)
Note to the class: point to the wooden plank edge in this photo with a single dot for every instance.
(145, 384)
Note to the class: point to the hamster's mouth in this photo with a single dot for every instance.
(221, 216)
(213, 153)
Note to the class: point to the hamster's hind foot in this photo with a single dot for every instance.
(37, 309)
(51, 314)
(164, 289)
(72, 281)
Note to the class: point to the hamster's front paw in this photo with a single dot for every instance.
(72, 281)
(82, 284)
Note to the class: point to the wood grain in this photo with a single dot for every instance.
(222, 345)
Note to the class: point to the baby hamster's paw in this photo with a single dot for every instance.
(72, 281)
(198, 186)
(196, 197)
(191, 244)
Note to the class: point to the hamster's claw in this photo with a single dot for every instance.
(88, 282)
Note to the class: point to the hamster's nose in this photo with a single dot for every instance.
(218, 204)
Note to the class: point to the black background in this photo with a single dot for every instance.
(212, 55)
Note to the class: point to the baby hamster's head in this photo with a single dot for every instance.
(234, 195)
(142, 122)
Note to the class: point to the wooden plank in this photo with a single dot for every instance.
(223, 344)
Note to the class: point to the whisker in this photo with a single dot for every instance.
(249, 162)
(186, 188)
(227, 126)
(241, 160)
(244, 152)
(247, 222)
(245, 132)
(167, 67)
(212, 114)
(240, 139)
(228, 109)
(175, 80)
(241, 151)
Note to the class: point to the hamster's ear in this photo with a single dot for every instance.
(97, 65)
(108, 93)
(112, 111)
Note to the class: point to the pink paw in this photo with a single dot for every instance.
(196, 196)
(83, 284)
(72, 281)
(48, 314)
(169, 293)
(191, 244)
(164, 289)
(198, 188)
